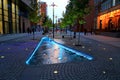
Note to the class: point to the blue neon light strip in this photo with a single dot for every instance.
(54, 42)
(44, 38)
(74, 51)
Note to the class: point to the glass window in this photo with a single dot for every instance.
(0, 11)
(13, 8)
(6, 28)
(5, 13)
(1, 30)
(13, 16)
(113, 2)
(0, 3)
(5, 2)
(0, 17)
(17, 9)
(13, 27)
(5, 18)
(13, 20)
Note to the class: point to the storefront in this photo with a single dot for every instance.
(109, 20)
(9, 19)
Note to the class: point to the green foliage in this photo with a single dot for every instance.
(75, 12)
(47, 22)
(33, 15)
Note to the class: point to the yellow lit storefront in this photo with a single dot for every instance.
(8, 17)
(5, 9)
(15, 18)
(109, 21)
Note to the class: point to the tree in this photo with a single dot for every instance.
(47, 23)
(76, 10)
(33, 14)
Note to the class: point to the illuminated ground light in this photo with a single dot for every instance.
(60, 46)
(55, 72)
(89, 49)
(2, 57)
(104, 72)
(83, 47)
(8, 48)
(26, 49)
(110, 59)
(104, 48)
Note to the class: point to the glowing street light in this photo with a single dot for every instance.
(53, 5)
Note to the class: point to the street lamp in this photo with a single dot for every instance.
(53, 5)
(56, 23)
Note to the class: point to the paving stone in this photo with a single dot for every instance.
(102, 67)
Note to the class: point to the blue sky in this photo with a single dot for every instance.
(61, 4)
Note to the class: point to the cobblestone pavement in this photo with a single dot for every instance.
(104, 66)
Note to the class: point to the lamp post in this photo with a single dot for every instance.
(56, 23)
(53, 5)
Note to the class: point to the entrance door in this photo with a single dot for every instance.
(110, 25)
(100, 24)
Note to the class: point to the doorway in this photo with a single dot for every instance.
(110, 25)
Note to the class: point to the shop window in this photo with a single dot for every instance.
(13, 8)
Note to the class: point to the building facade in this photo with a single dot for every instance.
(14, 16)
(42, 11)
(107, 15)
(9, 18)
(89, 19)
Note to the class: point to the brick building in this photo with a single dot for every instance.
(107, 15)
(42, 11)
(90, 17)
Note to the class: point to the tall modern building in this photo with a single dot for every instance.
(107, 13)
(14, 16)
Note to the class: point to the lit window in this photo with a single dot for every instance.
(113, 2)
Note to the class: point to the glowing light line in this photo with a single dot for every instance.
(44, 38)
(74, 51)
(62, 46)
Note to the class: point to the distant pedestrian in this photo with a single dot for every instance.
(91, 31)
(33, 30)
(28, 30)
(85, 31)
